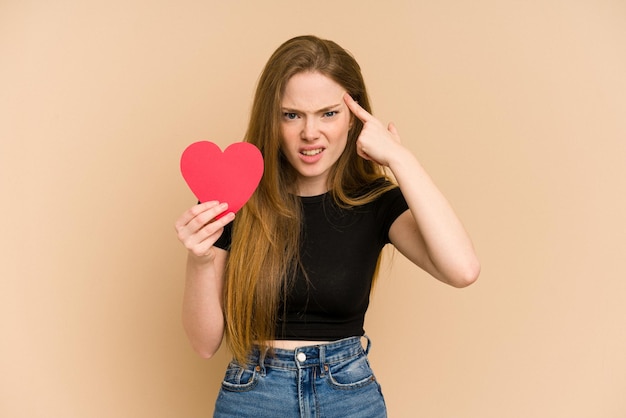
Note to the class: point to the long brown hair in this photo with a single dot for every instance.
(264, 254)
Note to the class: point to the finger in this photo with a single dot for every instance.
(223, 220)
(392, 128)
(213, 230)
(363, 154)
(194, 211)
(208, 215)
(198, 216)
(207, 235)
(356, 109)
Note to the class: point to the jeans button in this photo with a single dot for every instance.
(301, 357)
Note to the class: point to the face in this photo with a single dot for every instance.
(315, 122)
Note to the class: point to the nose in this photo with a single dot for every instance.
(310, 130)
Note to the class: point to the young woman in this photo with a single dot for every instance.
(288, 281)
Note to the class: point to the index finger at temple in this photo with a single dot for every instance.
(356, 108)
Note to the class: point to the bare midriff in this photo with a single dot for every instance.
(293, 344)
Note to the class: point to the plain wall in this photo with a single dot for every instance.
(516, 108)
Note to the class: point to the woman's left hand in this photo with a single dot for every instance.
(375, 142)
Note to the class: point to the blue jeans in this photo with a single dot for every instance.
(326, 380)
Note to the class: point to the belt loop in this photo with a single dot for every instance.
(322, 357)
(369, 344)
(261, 365)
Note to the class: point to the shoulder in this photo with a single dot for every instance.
(382, 192)
(391, 202)
(372, 190)
(380, 185)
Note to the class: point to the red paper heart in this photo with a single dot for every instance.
(230, 176)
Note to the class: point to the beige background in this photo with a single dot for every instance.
(517, 109)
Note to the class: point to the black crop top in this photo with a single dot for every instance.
(340, 249)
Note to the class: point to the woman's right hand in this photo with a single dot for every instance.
(198, 229)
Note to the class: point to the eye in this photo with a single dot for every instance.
(290, 115)
(330, 114)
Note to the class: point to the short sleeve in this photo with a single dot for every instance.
(389, 206)
(225, 240)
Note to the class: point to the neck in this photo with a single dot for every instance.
(313, 188)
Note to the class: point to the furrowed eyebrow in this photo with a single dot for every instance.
(322, 110)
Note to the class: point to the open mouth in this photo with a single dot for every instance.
(311, 152)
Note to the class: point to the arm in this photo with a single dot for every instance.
(429, 234)
(203, 319)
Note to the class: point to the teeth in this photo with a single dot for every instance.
(311, 152)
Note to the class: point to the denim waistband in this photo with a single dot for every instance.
(310, 355)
